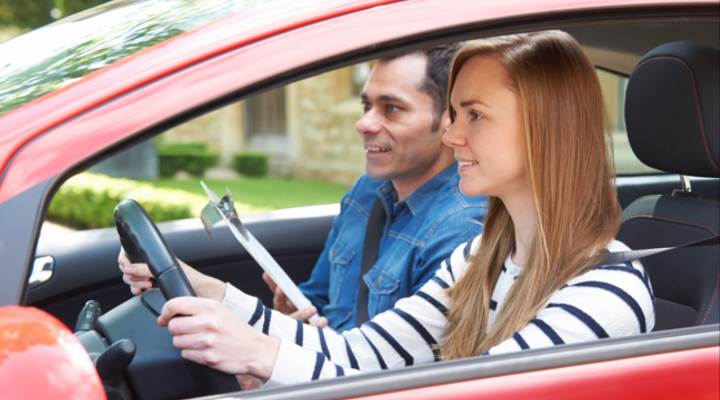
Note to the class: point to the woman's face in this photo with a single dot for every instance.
(487, 132)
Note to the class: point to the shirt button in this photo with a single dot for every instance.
(512, 270)
(377, 282)
(334, 252)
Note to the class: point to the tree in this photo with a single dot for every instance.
(36, 13)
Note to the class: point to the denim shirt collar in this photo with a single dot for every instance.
(420, 196)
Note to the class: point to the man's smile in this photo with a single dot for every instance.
(376, 149)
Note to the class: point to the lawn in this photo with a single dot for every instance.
(266, 193)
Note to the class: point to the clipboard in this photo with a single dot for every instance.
(223, 209)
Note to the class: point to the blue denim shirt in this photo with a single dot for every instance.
(424, 230)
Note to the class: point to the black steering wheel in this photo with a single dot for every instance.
(143, 243)
(157, 371)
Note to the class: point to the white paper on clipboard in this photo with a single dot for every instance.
(224, 210)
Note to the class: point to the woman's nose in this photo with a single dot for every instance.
(454, 136)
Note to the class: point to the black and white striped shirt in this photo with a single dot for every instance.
(608, 301)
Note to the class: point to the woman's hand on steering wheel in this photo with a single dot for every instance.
(138, 275)
(208, 333)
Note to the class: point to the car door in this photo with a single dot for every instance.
(122, 120)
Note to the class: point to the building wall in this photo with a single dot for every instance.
(222, 130)
(323, 144)
(319, 142)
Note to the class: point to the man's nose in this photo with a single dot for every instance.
(368, 124)
(454, 136)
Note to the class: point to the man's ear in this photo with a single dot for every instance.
(444, 122)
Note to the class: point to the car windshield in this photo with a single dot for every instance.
(70, 49)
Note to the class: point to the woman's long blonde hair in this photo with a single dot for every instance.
(570, 169)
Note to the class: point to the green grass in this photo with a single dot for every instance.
(265, 193)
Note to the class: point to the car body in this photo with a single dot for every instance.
(44, 142)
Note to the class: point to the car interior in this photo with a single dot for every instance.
(672, 128)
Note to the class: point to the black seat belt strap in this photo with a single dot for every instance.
(371, 247)
(622, 257)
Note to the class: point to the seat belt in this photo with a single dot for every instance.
(622, 257)
(371, 247)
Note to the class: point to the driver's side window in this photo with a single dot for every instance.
(288, 147)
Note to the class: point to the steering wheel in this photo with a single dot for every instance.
(158, 370)
(143, 242)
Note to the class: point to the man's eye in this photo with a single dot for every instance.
(365, 105)
(391, 108)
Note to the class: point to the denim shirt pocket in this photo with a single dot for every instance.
(383, 290)
(339, 256)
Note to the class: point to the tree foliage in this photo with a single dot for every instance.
(36, 13)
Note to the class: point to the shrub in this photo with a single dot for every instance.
(193, 158)
(251, 163)
(87, 201)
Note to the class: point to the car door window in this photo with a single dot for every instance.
(291, 146)
(614, 87)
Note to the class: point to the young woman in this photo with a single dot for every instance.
(528, 130)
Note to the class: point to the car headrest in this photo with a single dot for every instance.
(672, 109)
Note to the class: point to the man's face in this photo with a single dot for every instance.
(397, 122)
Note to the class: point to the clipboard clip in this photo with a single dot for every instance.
(216, 208)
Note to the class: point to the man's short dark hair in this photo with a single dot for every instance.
(437, 74)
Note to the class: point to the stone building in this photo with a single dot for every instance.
(307, 127)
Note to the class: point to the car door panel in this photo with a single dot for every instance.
(681, 363)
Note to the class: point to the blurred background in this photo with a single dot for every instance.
(19, 16)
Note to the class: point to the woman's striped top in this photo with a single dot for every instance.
(608, 301)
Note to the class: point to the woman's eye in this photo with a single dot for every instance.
(475, 116)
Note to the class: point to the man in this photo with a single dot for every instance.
(414, 176)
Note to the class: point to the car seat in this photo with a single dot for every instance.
(672, 118)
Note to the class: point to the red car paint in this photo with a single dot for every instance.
(50, 135)
(41, 359)
(692, 374)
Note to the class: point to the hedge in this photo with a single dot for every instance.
(251, 163)
(193, 158)
(87, 200)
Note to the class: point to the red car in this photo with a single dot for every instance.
(63, 109)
